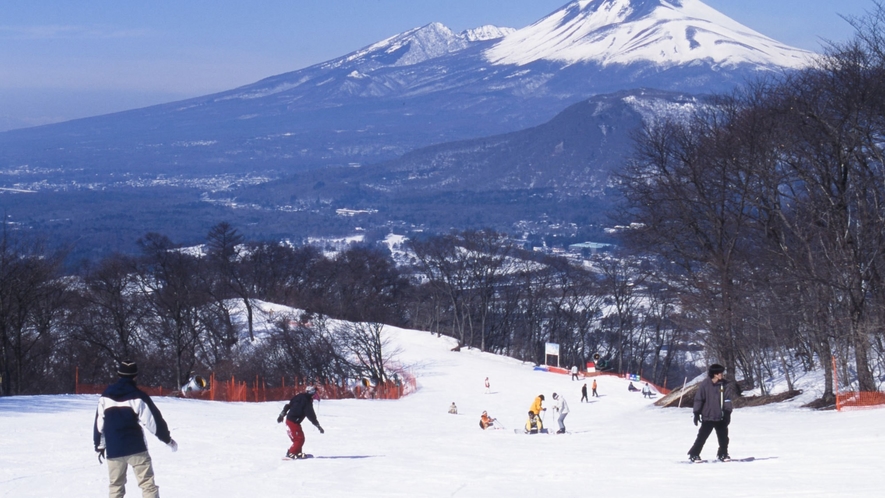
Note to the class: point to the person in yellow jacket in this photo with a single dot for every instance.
(536, 405)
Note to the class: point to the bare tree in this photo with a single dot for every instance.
(29, 299)
(369, 351)
(111, 310)
(170, 279)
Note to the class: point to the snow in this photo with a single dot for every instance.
(664, 32)
(619, 443)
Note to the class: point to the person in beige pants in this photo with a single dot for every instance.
(144, 473)
(118, 436)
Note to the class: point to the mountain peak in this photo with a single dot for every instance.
(664, 32)
(427, 42)
(487, 32)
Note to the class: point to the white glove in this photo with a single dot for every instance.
(172, 445)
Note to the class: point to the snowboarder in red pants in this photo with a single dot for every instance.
(295, 411)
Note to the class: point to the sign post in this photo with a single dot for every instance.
(551, 349)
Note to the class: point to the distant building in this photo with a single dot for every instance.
(589, 248)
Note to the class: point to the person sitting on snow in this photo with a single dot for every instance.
(534, 424)
(632, 388)
(453, 409)
(485, 421)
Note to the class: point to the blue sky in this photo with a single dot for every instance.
(65, 59)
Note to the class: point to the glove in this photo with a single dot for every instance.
(172, 445)
(283, 413)
(697, 418)
(321, 430)
(100, 454)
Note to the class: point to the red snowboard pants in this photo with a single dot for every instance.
(296, 435)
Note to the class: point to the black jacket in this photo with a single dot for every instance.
(301, 407)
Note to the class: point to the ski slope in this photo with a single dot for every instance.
(619, 445)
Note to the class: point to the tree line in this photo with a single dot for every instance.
(768, 207)
(183, 310)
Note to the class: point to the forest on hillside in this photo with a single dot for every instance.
(176, 309)
(769, 207)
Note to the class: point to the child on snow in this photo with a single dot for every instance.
(533, 425)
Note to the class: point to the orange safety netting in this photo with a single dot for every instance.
(662, 390)
(257, 390)
(99, 388)
(855, 400)
(559, 370)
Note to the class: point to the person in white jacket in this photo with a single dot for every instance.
(559, 405)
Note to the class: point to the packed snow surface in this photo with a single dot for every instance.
(618, 445)
(664, 32)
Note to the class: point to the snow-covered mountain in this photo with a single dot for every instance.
(428, 86)
(424, 86)
(661, 32)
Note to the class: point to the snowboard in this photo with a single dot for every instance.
(747, 459)
(543, 431)
(306, 456)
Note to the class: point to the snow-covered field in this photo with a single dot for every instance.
(619, 444)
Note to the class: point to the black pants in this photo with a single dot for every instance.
(704, 432)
